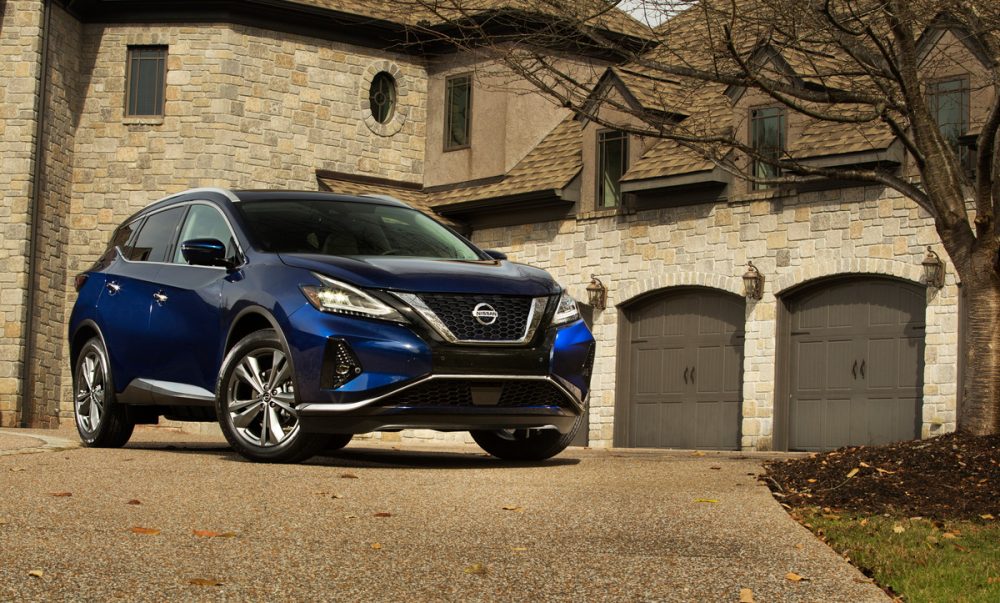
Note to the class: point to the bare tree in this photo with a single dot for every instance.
(866, 65)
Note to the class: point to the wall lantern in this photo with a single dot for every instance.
(597, 293)
(933, 269)
(753, 282)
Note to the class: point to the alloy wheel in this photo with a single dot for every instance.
(260, 398)
(90, 391)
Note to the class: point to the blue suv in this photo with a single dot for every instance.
(297, 319)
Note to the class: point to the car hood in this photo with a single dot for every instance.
(421, 275)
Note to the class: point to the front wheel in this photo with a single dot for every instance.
(100, 420)
(525, 444)
(255, 403)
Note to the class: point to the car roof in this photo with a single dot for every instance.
(291, 195)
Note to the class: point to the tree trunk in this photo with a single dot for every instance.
(980, 413)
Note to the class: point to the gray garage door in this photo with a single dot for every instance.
(685, 361)
(857, 350)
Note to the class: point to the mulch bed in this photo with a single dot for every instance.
(953, 476)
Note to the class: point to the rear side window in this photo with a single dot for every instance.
(118, 239)
(205, 222)
(155, 242)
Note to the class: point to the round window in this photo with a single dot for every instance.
(382, 96)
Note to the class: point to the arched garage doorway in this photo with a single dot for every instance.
(680, 370)
(855, 362)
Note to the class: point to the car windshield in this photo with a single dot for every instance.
(350, 228)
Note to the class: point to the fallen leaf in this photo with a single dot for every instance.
(716, 468)
(204, 582)
(697, 453)
(986, 516)
(863, 522)
(337, 496)
(852, 473)
(16, 469)
(36, 573)
(864, 464)
(705, 500)
(811, 480)
(993, 580)
(348, 476)
(60, 494)
(134, 501)
(146, 531)
(898, 529)
(383, 514)
(376, 546)
(476, 568)
(800, 546)
(884, 471)
(864, 580)
(351, 516)
(949, 535)
(793, 577)
(746, 595)
(212, 534)
(514, 508)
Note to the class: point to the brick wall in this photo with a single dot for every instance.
(20, 52)
(792, 240)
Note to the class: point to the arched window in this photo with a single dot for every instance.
(382, 96)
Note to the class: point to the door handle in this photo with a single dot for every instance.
(160, 297)
(854, 369)
(862, 369)
(685, 374)
(113, 287)
(692, 374)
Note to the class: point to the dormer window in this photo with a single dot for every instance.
(949, 104)
(612, 161)
(767, 139)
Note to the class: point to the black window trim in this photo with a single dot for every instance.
(599, 180)
(162, 92)
(447, 112)
(783, 124)
(966, 90)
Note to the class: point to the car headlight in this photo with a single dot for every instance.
(341, 298)
(566, 311)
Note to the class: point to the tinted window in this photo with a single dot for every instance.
(767, 138)
(351, 229)
(205, 222)
(458, 105)
(155, 240)
(612, 150)
(147, 68)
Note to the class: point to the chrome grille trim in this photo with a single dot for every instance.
(535, 314)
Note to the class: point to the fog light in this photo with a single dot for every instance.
(340, 365)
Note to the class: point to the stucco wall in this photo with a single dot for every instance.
(792, 240)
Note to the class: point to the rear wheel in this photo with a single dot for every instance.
(525, 444)
(255, 403)
(100, 420)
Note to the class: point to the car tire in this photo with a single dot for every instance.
(525, 444)
(255, 403)
(100, 420)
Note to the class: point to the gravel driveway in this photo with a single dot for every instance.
(415, 524)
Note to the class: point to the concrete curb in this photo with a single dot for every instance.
(49, 443)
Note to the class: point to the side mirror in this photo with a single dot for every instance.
(205, 252)
(496, 255)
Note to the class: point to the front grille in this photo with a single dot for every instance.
(455, 311)
(457, 393)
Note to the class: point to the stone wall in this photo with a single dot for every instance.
(20, 54)
(51, 370)
(791, 239)
(245, 108)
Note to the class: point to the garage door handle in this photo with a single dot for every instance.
(854, 369)
(862, 369)
(686, 369)
(692, 374)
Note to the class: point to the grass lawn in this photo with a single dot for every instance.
(918, 559)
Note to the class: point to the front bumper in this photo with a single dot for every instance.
(412, 379)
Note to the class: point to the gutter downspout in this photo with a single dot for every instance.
(34, 226)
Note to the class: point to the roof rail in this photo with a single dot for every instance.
(225, 192)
